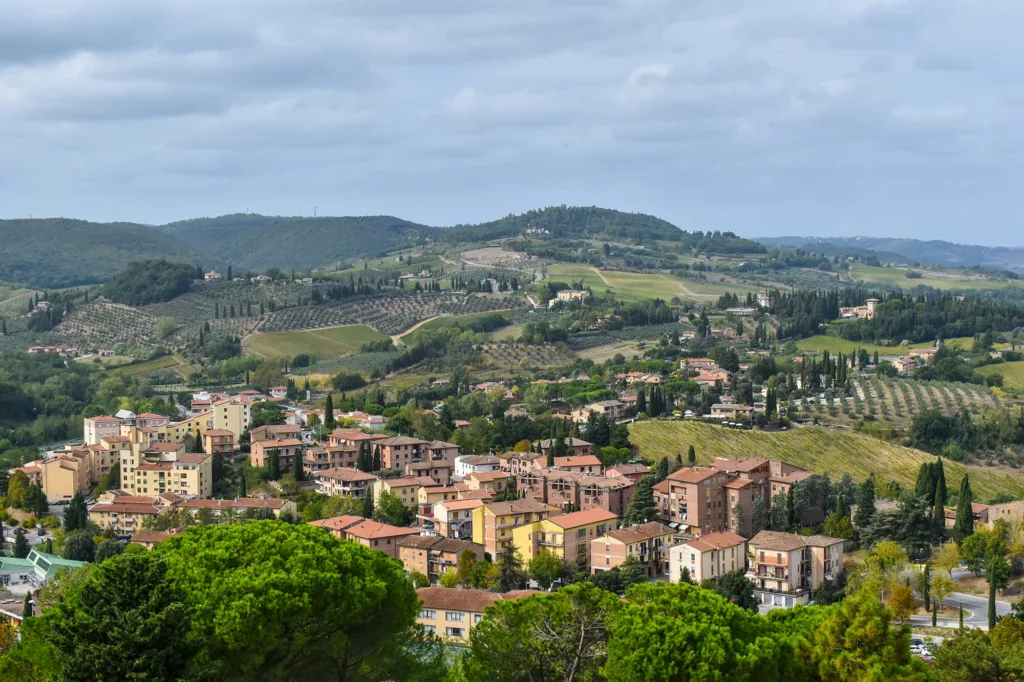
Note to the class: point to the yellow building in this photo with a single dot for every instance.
(166, 467)
(407, 488)
(495, 522)
(566, 536)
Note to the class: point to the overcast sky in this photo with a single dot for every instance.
(765, 117)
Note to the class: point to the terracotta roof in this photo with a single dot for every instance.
(124, 508)
(636, 468)
(150, 536)
(460, 505)
(105, 418)
(369, 530)
(571, 442)
(164, 447)
(722, 539)
(219, 432)
(787, 542)
(337, 522)
(661, 487)
(286, 443)
(577, 460)
(488, 475)
(693, 474)
(346, 474)
(401, 440)
(517, 506)
(409, 481)
(154, 466)
(640, 532)
(738, 465)
(737, 483)
(582, 518)
(453, 599)
(192, 458)
(794, 477)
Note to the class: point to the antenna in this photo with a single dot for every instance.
(314, 211)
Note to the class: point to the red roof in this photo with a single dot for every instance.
(582, 518)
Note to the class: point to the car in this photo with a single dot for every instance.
(916, 641)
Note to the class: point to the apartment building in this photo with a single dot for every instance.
(712, 555)
(454, 518)
(694, 500)
(97, 428)
(515, 463)
(342, 481)
(648, 543)
(567, 536)
(406, 488)
(433, 556)
(578, 491)
(440, 471)
(373, 534)
(452, 613)
(125, 514)
(575, 446)
(633, 472)
(495, 481)
(786, 568)
(494, 522)
(332, 457)
(353, 438)
(613, 409)
(398, 451)
(579, 464)
(276, 432)
(241, 506)
(470, 464)
(187, 475)
(287, 450)
(219, 442)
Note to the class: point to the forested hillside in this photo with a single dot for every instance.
(933, 252)
(57, 252)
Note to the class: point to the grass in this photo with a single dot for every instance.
(834, 344)
(1012, 373)
(816, 449)
(898, 277)
(602, 353)
(637, 286)
(321, 343)
(150, 366)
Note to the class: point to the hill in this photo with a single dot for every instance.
(57, 252)
(817, 449)
(932, 252)
(257, 242)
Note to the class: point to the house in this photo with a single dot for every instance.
(712, 555)
(398, 451)
(276, 432)
(125, 514)
(279, 392)
(568, 295)
(863, 312)
(494, 522)
(433, 556)
(319, 458)
(731, 411)
(579, 464)
(219, 442)
(405, 488)
(439, 472)
(514, 463)
(633, 472)
(575, 446)
(741, 312)
(151, 538)
(451, 613)
(980, 514)
(786, 568)
(566, 536)
(712, 378)
(647, 542)
(471, 464)
(372, 534)
(495, 481)
(353, 438)
(1010, 512)
(341, 481)
(213, 276)
(37, 568)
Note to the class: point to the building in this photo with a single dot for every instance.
(37, 569)
(612, 409)
(1010, 512)
(405, 488)
(980, 514)
(469, 464)
(712, 555)
(566, 489)
(786, 568)
(353, 437)
(495, 481)
(579, 464)
(151, 538)
(574, 445)
(567, 536)
(432, 555)
(647, 542)
(342, 481)
(494, 522)
(863, 312)
(287, 450)
(321, 458)
(187, 475)
(451, 613)
(398, 451)
(125, 514)
(695, 501)
(96, 429)
(241, 506)
(568, 295)
(219, 442)
(372, 534)
(454, 518)
(633, 472)
(515, 463)
(731, 411)
(439, 472)
(276, 432)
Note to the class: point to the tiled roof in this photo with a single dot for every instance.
(346, 474)
(577, 461)
(369, 530)
(517, 506)
(787, 542)
(641, 532)
(582, 518)
(693, 474)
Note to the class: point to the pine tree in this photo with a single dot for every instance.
(790, 509)
(642, 508)
(21, 546)
(662, 469)
(964, 524)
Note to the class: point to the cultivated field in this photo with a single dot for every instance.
(834, 344)
(599, 354)
(514, 357)
(897, 277)
(636, 285)
(320, 343)
(1012, 373)
(817, 449)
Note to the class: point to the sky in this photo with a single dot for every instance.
(843, 117)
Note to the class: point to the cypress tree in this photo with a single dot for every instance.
(297, 470)
(241, 484)
(865, 503)
(925, 485)
(790, 509)
(376, 458)
(273, 464)
(27, 606)
(641, 401)
(329, 421)
(925, 584)
(691, 455)
(939, 514)
(964, 524)
(940, 481)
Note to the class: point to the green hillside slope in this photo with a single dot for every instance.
(57, 252)
(815, 449)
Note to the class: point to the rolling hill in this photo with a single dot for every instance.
(932, 252)
(816, 449)
(58, 252)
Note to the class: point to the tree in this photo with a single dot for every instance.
(449, 578)
(545, 569)
(467, 561)
(923, 585)
(560, 636)
(997, 573)
(963, 526)
(80, 546)
(297, 469)
(790, 509)
(759, 517)
(16, 487)
(642, 508)
(901, 601)
(968, 655)
(975, 552)
(947, 557)
(273, 464)
(837, 526)
(107, 549)
(376, 458)
(662, 469)
(942, 587)
(885, 562)
(691, 455)
(337, 610)
(735, 587)
(329, 421)
(76, 516)
(127, 604)
(865, 503)
(511, 575)
(390, 509)
(418, 580)
(21, 546)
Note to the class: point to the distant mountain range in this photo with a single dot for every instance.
(933, 252)
(51, 253)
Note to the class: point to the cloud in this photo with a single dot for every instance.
(731, 114)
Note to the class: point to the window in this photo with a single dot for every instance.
(477, 618)
(455, 616)
(454, 632)
(428, 614)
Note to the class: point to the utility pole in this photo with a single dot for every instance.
(314, 211)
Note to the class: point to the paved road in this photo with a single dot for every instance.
(975, 612)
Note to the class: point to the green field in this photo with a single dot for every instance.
(321, 343)
(816, 449)
(1012, 373)
(833, 344)
(174, 362)
(637, 285)
(898, 277)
